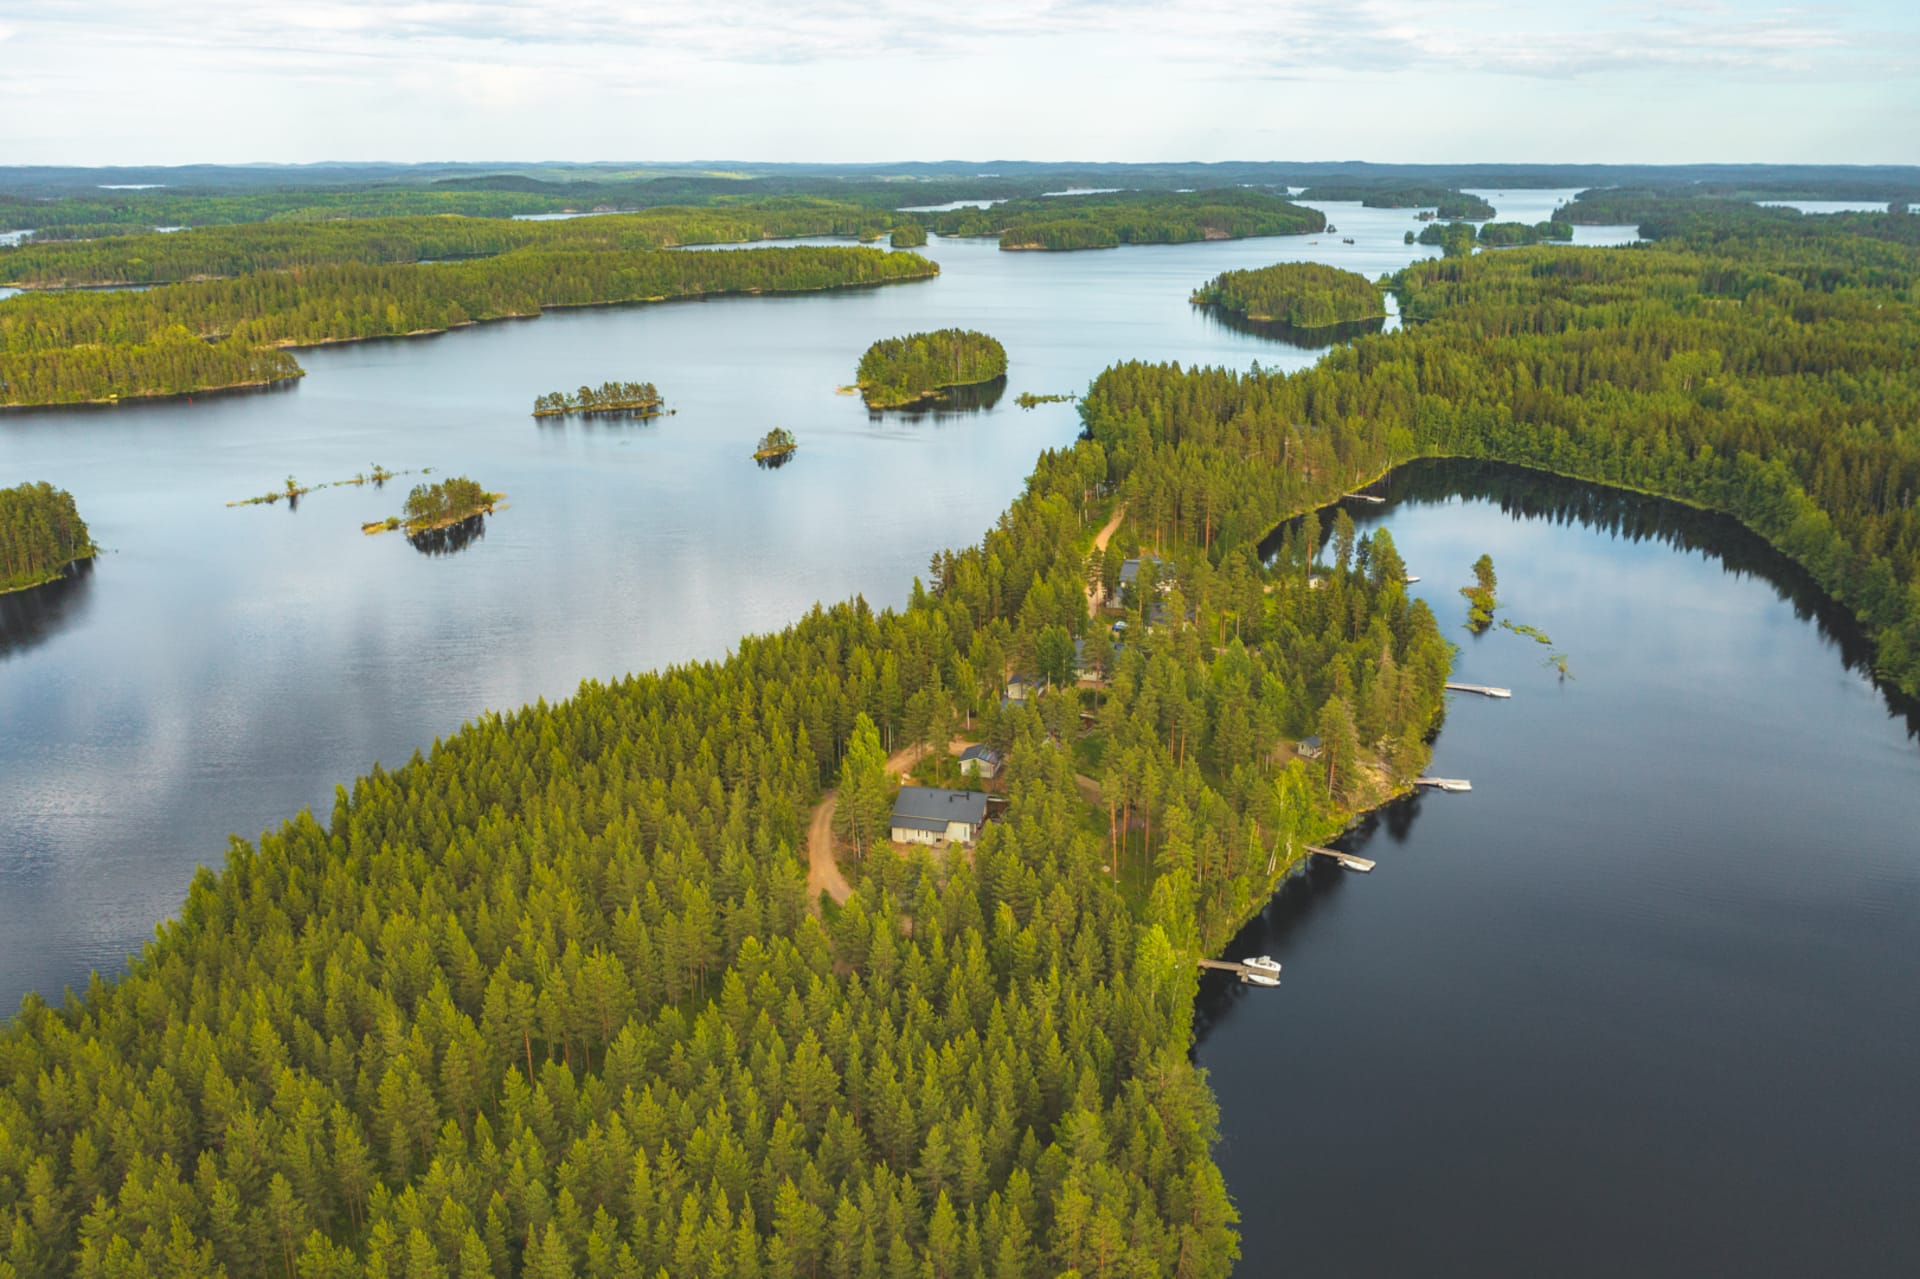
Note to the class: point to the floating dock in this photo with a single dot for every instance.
(1485, 690)
(1365, 497)
(1348, 860)
(1456, 784)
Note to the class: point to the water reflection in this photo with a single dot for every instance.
(1318, 338)
(28, 618)
(1529, 495)
(775, 462)
(955, 401)
(451, 539)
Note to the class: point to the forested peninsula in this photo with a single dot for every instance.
(1301, 294)
(41, 533)
(1506, 235)
(74, 348)
(1107, 220)
(222, 251)
(906, 370)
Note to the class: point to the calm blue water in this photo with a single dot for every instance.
(1642, 1002)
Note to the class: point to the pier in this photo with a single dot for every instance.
(1456, 784)
(1348, 860)
(1229, 966)
(1365, 497)
(1485, 690)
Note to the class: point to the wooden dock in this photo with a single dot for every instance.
(1485, 690)
(1365, 497)
(1348, 860)
(1456, 784)
(1228, 966)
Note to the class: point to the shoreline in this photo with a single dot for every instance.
(289, 344)
(58, 576)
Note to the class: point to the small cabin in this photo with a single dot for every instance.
(1021, 686)
(981, 760)
(935, 815)
(1310, 748)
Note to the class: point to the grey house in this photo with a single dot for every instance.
(981, 760)
(933, 815)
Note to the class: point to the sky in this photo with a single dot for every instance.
(1444, 81)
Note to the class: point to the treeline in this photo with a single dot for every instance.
(41, 532)
(76, 347)
(605, 398)
(1129, 217)
(1769, 378)
(1507, 235)
(144, 210)
(222, 251)
(162, 362)
(552, 999)
(903, 370)
(1445, 201)
(1303, 294)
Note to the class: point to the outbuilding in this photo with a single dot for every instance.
(981, 760)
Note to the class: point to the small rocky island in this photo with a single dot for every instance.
(777, 443)
(439, 505)
(903, 371)
(627, 399)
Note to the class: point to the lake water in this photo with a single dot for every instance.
(1642, 1002)
(1827, 206)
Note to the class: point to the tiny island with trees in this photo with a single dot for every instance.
(1303, 295)
(778, 443)
(902, 371)
(629, 399)
(438, 505)
(41, 535)
(1446, 202)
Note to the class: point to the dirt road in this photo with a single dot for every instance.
(823, 869)
(1095, 595)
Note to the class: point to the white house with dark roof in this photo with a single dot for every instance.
(934, 815)
(981, 760)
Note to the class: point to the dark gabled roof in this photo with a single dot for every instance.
(932, 807)
(981, 751)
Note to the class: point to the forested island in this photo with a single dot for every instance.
(77, 348)
(921, 366)
(1455, 239)
(634, 399)
(438, 505)
(1107, 220)
(908, 235)
(1446, 202)
(1301, 294)
(41, 534)
(1506, 235)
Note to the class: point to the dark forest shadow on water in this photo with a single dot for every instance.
(1313, 884)
(1528, 495)
(1319, 338)
(451, 539)
(775, 462)
(33, 616)
(954, 402)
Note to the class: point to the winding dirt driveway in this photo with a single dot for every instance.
(823, 869)
(1095, 595)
